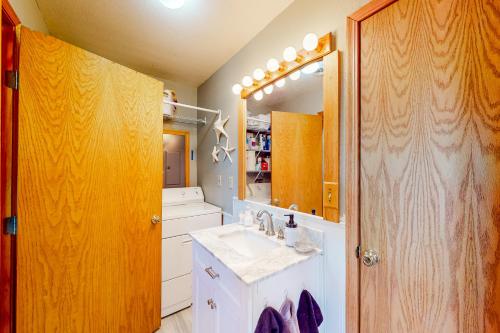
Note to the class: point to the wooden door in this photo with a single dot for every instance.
(297, 161)
(9, 99)
(430, 167)
(90, 175)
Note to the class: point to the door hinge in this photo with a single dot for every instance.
(358, 251)
(12, 79)
(11, 225)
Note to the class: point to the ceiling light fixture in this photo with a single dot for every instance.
(173, 4)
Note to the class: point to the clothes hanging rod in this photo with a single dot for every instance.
(259, 120)
(186, 120)
(192, 107)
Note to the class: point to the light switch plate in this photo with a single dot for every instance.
(219, 180)
(230, 182)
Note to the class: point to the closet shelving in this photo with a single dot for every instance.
(259, 175)
(187, 120)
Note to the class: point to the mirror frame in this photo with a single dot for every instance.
(331, 119)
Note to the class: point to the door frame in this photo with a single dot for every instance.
(8, 172)
(187, 150)
(353, 132)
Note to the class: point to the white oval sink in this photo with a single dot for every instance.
(249, 244)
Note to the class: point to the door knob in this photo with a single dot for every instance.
(155, 219)
(370, 258)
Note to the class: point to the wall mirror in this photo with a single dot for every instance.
(289, 134)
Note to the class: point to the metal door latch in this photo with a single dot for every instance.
(11, 225)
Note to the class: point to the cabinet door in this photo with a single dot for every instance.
(203, 291)
(228, 312)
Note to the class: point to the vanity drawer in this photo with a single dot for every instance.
(224, 279)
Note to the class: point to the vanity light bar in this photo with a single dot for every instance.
(313, 50)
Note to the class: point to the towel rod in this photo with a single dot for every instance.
(186, 120)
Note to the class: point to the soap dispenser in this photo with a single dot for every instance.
(291, 231)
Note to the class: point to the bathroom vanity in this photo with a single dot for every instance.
(238, 271)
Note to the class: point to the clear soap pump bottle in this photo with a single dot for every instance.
(291, 231)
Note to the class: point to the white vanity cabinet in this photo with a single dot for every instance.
(223, 303)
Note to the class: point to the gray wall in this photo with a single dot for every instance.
(186, 94)
(289, 28)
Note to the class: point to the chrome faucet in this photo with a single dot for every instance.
(270, 226)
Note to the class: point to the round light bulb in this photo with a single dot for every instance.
(173, 4)
(258, 95)
(247, 81)
(280, 83)
(237, 88)
(268, 89)
(295, 76)
(259, 74)
(273, 65)
(290, 54)
(310, 42)
(311, 68)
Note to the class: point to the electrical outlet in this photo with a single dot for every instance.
(219, 180)
(230, 182)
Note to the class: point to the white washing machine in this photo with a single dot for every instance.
(184, 210)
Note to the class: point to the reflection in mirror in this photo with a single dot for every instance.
(284, 142)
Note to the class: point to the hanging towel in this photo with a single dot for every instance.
(287, 311)
(308, 314)
(270, 321)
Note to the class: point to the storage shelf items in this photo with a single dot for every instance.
(258, 150)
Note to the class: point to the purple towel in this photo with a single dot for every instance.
(270, 321)
(289, 315)
(308, 314)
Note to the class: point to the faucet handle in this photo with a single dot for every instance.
(281, 234)
(261, 225)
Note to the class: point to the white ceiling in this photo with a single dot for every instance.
(187, 44)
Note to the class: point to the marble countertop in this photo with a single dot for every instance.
(247, 269)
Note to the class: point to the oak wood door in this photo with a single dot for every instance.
(90, 176)
(297, 161)
(430, 167)
(9, 98)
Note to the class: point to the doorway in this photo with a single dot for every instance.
(176, 157)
